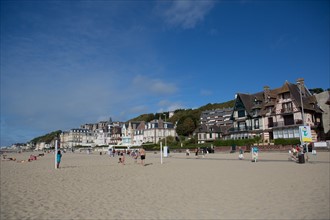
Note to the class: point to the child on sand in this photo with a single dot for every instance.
(240, 156)
(142, 153)
(58, 158)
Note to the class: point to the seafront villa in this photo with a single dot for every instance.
(276, 113)
(114, 133)
(272, 114)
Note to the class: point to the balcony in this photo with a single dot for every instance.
(238, 129)
(286, 123)
(286, 110)
(317, 125)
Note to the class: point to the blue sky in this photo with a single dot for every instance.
(67, 63)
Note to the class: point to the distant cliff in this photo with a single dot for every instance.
(47, 138)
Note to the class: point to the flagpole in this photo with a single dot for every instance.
(161, 153)
(56, 154)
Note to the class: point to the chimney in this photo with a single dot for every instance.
(266, 93)
(301, 85)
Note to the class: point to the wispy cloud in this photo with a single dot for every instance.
(213, 32)
(205, 92)
(282, 41)
(186, 14)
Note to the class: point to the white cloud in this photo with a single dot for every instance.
(154, 86)
(166, 105)
(187, 13)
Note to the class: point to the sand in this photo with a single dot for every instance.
(218, 186)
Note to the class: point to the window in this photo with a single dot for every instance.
(256, 123)
(296, 132)
(288, 119)
(280, 134)
(257, 102)
(256, 112)
(270, 122)
(290, 133)
(241, 126)
(287, 106)
(286, 95)
(241, 113)
(285, 133)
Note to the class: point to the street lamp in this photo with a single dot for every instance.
(301, 102)
(302, 114)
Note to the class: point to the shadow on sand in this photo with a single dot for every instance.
(68, 167)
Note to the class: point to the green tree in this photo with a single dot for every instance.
(257, 139)
(186, 126)
(316, 90)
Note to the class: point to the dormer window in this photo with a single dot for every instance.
(286, 95)
(269, 110)
(256, 101)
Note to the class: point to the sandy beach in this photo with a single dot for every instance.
(218, 186)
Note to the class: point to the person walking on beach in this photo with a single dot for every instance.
(122, 158)
(142, 153)
(135, 155)
(58, 158)
(196, 152)
(240, 156)
(255, 154)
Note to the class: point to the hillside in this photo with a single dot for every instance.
(187, 119)
(185, 112)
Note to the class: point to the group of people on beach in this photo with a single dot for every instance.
(254, 153)
(294, 152)
(299, 150)
(198, 151)
(30, 159)
(135, 154)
